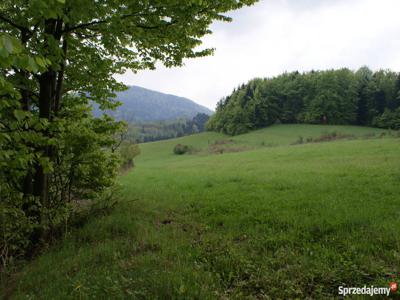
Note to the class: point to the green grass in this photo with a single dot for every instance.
(282, 135)
(276, 221)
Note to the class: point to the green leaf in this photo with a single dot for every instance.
(32, 66)
(40, 62)
(3, 52)
(19, 115)
(16, 45)
(7, 43)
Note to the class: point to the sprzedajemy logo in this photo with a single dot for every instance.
(365, 290)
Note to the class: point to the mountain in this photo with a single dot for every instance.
(144, 105)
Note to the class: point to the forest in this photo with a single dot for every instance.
(142, 132)
(335, 97)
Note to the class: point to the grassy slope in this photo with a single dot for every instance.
(288, 221)
(281, 135)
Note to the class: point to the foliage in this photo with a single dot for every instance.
(389, 119)
(128, 152)
(317, 97)
(19, 133)
(56, 58)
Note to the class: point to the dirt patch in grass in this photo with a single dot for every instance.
(327, 137)
(226, 146)
(146, 247)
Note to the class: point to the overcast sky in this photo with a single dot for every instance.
(274, 36)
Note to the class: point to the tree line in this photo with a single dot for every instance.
(343, 96)
(143, 132)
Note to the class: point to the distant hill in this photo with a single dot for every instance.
(144, 105)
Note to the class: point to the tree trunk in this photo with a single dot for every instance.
(27, 184)
(50, 84)
(46, 84)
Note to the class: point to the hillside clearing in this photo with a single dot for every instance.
(279, 221)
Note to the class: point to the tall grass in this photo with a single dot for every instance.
(274, 222)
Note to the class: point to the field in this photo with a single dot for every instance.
(268, 214)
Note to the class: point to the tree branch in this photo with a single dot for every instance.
(84, 25)
(60, 79)
(10, 22)
(98, 22)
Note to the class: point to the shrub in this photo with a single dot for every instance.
(389, 119)
(83, 168)
(128, 152)
(16, 226)
(180, 149)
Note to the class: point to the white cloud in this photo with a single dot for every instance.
(274, 36)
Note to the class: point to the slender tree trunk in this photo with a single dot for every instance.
(46, 85)
(27, 184)
(47, 82)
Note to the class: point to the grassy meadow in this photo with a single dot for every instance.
(270, 214)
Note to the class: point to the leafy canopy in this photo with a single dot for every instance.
(56, 56)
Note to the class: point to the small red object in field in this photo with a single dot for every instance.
(393, 287)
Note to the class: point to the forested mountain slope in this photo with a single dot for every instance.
(336, 97)
(144, 105)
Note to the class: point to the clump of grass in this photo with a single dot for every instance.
(225, 146)
(327, 137)
(223, 142)
(369, 135)
(309, 140)
(333, 137)
(299, 141)
(180, 149)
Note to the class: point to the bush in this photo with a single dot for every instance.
(16, 226)
(82, 168)
(180, 149)
(128, 152)
(389, 119)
